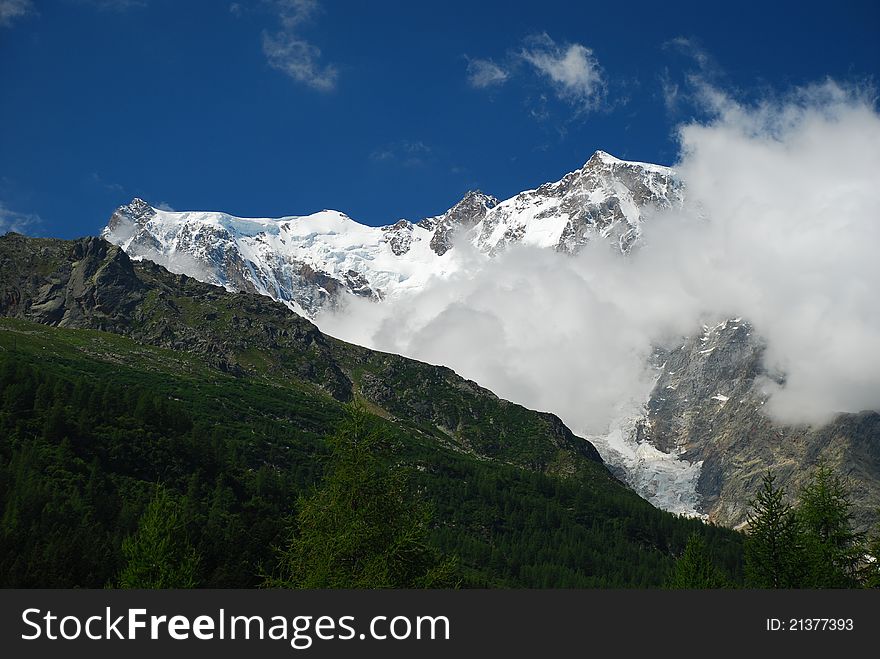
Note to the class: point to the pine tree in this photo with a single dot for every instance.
(158, 554)
(695, 569)
(774, 545)
(834, 552)
(362, 527)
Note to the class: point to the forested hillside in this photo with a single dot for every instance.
(92, 422)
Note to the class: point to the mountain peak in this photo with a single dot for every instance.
(474, 202)
(137, 208)
(466, 213)
(604, 158)
(126, 220)
(478, 196)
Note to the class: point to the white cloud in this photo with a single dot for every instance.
(671, 92)
(287, 51)
(790, 188)
(10, 10)
(484, 73)
(13, 221)
(299, 59)
(701, 78)
(781, 226)
(572, 68)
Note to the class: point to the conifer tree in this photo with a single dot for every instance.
(695, 569)
(158, 554)
(834, 551)
(774, 544)
(362, 527)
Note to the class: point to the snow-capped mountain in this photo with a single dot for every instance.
(306, 261)
(696, 446)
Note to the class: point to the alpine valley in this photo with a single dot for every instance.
(173, 415)
(145, 413)
(698, 445)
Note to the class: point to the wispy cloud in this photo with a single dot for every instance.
(99, 180)
(407, 153)
(690, 47)
(571, 68)
(571, 71)
(484, 73)
(671, 91)
(700, 78)
(10, 10)
(287, 51)
(11, 220)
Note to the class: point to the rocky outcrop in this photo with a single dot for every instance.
(707, 406)
(464, 215)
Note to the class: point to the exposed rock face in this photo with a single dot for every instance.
(707, 406)
(464, 215)
(602, 200)
(399, 237)
(95, 286)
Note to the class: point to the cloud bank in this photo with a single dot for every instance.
(781, 225)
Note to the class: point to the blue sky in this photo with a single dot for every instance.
(379, 109)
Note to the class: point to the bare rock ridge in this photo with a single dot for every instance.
(706, 407)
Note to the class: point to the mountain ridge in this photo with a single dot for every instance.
(675, 450)
(309, 261)
(92, 284)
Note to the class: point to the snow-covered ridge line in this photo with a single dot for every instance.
(307, 261)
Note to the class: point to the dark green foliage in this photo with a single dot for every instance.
(812, 545)
(158, 554)
(695, 569)
(833, 551)
(518, 529)
(83, 443)
(774, 552)
(364, 526)
(90, 422)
